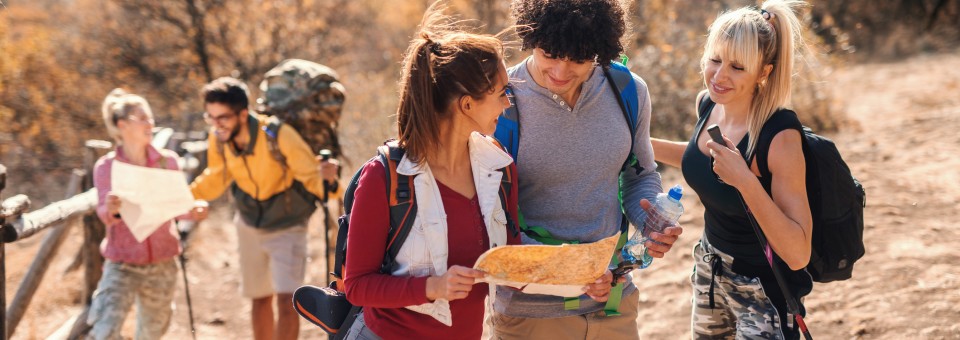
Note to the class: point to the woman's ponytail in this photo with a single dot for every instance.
(442, 64)
(779, 43)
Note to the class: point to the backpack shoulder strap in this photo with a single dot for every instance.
(506, 185)
(272, 130)
(400, 198)
(508, 126)
(403, 205)
(704, 104)
(625, 89)
(343, 223)
(779, 121)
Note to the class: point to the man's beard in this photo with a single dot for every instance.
(234, 133)
(230, 137)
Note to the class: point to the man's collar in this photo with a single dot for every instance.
(253, 125)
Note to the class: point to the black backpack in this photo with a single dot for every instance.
(836, 204)
(327, 307)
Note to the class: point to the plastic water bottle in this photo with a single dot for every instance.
(665, 212)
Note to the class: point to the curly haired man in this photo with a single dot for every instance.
(571, 161)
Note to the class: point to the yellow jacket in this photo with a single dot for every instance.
(259, 181)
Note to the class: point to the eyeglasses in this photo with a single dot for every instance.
(220, 120)
(137, 119)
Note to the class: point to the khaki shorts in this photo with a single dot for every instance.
(588, 326)
(271, 261)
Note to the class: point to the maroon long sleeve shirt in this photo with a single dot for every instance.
(384, 296)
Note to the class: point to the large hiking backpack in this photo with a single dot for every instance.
(309, 97)
(328, 307)
(836, 204)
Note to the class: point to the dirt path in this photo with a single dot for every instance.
(904, 147)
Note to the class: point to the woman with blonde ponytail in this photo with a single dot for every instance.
(747, 66)
(135, 271)
(452, 89)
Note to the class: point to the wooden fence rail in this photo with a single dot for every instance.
(59, 217)
(17, 224)
(29, 224)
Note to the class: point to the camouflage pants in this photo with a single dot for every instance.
(150, 286)
(741, 309)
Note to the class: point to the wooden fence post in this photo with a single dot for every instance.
(38, 268)
(94, 231)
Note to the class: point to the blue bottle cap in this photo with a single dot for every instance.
(676, 192)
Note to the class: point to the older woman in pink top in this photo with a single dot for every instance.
(141, 272)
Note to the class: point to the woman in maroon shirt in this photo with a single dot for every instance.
(452, 91)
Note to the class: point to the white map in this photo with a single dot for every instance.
(149, 197)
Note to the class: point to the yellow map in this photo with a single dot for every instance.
(567, 267)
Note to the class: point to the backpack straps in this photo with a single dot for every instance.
(403, 209)
(400, 196)
(272, 130)
(779, 121)
(704, 105)
(625, 89)
(340, 253)
(508, 126)
(506, 185)
(792, 306)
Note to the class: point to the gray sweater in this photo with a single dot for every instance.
(568, 165)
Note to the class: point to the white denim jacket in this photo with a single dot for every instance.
(424, 253)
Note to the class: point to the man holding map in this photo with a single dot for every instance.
(275, 180)
(584, 161)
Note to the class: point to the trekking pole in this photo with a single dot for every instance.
(184, 230)
(325, 155)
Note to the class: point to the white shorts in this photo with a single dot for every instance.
(271, 261)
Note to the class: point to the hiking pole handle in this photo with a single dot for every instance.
(326, 154)
(184, 228)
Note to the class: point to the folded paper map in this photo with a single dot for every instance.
(554, 270)
(149, 197)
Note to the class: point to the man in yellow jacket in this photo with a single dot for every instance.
(275, 180)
